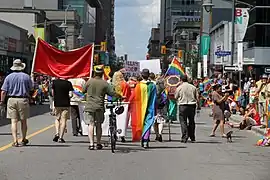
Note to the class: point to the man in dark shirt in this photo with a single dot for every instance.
(62, 92)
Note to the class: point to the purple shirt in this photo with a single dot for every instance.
(17, 84)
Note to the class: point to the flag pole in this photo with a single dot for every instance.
(92, 59)
(34, 60)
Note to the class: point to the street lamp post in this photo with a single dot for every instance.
(207, 5)
(64, 26)
(185, 36)
(233, 31)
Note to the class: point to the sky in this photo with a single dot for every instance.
(133, 22)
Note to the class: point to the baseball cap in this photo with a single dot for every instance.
(264, 76)
(145, 72)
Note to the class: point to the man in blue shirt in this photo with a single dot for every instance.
(16, 87)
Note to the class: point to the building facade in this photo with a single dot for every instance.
(257, 36)
(14, 43)
(87, 17)
(178, 14)
(220, 41)
(154, 44)
(105, 23)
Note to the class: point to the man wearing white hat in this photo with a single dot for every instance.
(17, 86)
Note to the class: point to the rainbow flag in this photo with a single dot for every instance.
(143, 110)
(207, 84)
(175, 68)
(78, 91)
(164, 96)
(268, 114)
(35, 93)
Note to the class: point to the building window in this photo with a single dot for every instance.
(192, 2)
(262, 2)
(262, 36)
(188, 2)
(183, 2)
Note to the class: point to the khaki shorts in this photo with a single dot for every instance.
(62, 113)
(18, 108)
(94, 117)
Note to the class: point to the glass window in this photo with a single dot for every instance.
(188, 2)
(192, 2)
(262, 15)
(262, 36)
(262, 2)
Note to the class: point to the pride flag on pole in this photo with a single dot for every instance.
(175, 68)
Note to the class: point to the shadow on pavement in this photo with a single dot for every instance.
(125, 150)
(172, 140)
(171, 133)
(167, 147)
(5, 134)
(35, 110)
(208, 142)
(239, 137)
(200, 123)
(43, 145)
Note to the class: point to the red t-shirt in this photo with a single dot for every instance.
(256, 116)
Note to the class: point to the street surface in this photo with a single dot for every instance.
(208, 158)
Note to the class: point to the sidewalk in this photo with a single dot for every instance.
(237, 118)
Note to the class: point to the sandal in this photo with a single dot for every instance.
(212, 135)
(99, 146)
(91, 147)
(25, 142)
(15, 144)
(224, 136)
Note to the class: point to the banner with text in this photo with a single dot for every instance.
(241, 23)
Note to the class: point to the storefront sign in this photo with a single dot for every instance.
(12, 44)
(241, 23)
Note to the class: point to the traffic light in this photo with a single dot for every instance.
(180, 54)
(163, 50)
(103, 46)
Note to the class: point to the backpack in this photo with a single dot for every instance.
(172, 83)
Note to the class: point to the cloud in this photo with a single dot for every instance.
(149, 12)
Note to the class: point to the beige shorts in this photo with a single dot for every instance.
(62, 113)
(18, 108)
(94, 117)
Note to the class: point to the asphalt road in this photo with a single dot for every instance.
(208, 158)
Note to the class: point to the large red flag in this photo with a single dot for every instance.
(51, 61)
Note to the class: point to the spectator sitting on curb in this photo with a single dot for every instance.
(251, 118)
(233, 105)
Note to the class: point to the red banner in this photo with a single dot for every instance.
(51, 61)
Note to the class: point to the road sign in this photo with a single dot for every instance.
(223, 53)
(230, 68)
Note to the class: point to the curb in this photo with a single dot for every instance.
(257, 130)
